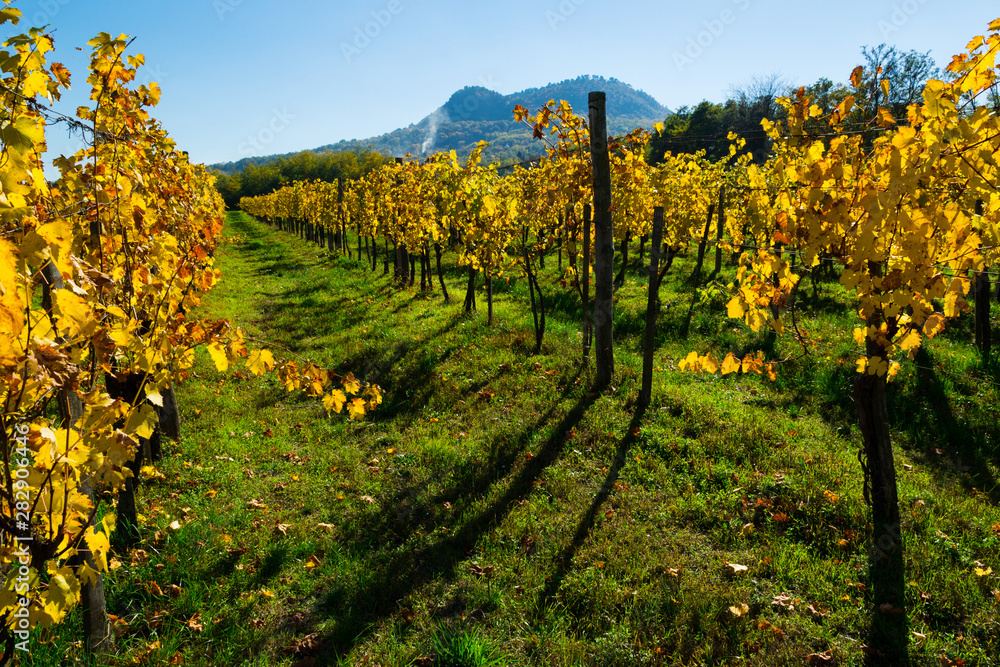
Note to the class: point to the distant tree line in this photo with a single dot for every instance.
(260, 179)
(707, 125)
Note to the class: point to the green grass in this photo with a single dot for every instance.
(496, 511)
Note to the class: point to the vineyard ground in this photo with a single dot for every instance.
(494, 502)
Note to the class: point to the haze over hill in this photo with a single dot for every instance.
(476, 113)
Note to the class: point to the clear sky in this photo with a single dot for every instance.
(249, 77)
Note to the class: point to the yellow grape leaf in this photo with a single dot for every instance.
(689, 363)
(60, 597)
(334, 401)
(350, 383)
(11, 306)
(356, 408)
(730, 364)
(885, 117)
(752, 364)
(739, 609)
(141, 421)
(954, 304)
(893, 371)
(73, 314)
(911, 339)
(99, 546)
(980, 572)
(879, 366)
(934, 325)
(735, 308)
(155, 397)
(709, 363)
(859, 336)
(218, 353)
(856, 75)
(260, 361)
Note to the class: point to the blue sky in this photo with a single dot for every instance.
(249, 77)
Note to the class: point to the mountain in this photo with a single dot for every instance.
(476, 113)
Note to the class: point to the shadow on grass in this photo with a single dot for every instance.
(565, 558)
(358, 608)
(967, 451)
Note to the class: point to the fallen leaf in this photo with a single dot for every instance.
(175, 525)
(481, 571)
(948, 662)
(211, 493)
(980, 572)
(283, 528)
(736, 567)
(747, 530)
(312, 562)
(783, 601)
(254, 503)
(825, 658)
(367, 499)
(874, 652)
(815, 611)
(325, 526)
(306, 644)
(267, 593)
(195, 623)
(739, 609)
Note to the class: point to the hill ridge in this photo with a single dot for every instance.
(475, 113)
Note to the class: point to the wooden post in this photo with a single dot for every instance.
(97, 634)
(720, 228)
(586, 282)
(984, 333)
(444, 288)
(169, 415)
(489, 300)
(646, 394)
(886, 569)
(604, 240)
(696, 276)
